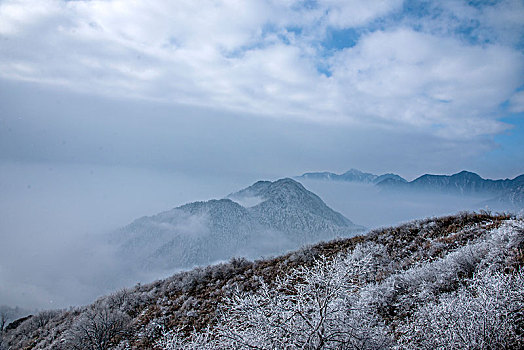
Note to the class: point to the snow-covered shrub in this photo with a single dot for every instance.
(311, 308)
(172, 340)
(506, 246)
(488, 314)
(398, 294)
(98, 328)
(303, 310)
(43, 317)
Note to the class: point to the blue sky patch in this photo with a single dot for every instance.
(339, 39)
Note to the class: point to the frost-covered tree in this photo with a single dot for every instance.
(98, 328)
(5, 314)
(488, 314)
(310, 308)
(8, 314)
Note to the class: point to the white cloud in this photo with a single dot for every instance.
(243, 56)
(498, 21)
(18, 15)
(481, 22)
(425, 80)
(506, 16)
(353, 13)
(516, 103)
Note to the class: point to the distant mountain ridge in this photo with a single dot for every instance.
(504, 193)
(513, 196)
(265, 218)
(464, 182)
(352, 175)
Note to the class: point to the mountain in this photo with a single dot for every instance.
(319, 176)
(389, 176)
(446, 282)
(464, 182)
(352, 175)
(512, 198)
(265, 218)
(503, 194)
(285, 205)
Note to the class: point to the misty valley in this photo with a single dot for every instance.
(238, 253)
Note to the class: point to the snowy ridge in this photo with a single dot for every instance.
(283, 215)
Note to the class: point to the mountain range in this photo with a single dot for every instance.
(264, 219)
(352, 175)
(464, 182)
(502, 193)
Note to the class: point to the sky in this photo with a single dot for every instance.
(274, 88)
(114, 109)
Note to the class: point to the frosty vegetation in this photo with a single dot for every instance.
(452, 282)
(472, 298)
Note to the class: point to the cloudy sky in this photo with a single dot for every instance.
(272, 87)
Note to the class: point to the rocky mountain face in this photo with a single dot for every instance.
(265, 218)
(285, 205)
(352, 175)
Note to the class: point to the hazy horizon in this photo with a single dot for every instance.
(112, 110)
(48, 224)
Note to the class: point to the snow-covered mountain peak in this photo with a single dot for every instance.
(286, 194)
(286, 191)
(265, 218)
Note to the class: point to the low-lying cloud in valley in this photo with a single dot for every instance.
(373, 208)
(55, 222)
(58, 222)
(111, 111)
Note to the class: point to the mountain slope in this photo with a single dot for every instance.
(265, 218)
(398, 282)
(512, 197)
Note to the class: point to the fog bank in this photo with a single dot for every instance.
(54, 218)
(366, 205)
